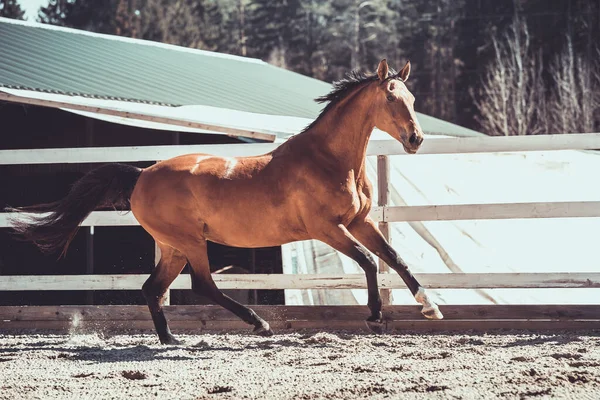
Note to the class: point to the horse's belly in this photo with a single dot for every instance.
(251, 221)
(251, 231)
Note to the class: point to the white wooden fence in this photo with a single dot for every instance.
(382, 213)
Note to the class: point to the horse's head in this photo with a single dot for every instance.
(394, 108)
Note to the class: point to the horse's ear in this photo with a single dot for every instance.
(405, 72)
(382, 70)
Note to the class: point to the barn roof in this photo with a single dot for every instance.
(44, 58)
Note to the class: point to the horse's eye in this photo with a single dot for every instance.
(390, 98)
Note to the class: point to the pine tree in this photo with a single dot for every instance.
(274, 27)
(179, 22)
(127, 19)
(11, 9)
(361, 34)
(310, 43)
(216, 37)
(90, 15)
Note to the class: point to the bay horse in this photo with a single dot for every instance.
(314, 186)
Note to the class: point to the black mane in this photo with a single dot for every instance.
(341, 89)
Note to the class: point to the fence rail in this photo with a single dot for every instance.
(340, 313)
(207, 318)
(309, 281)
(580, 141)
(450, 212)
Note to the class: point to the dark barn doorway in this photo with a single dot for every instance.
(101, 250)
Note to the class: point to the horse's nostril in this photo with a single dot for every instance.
(413, 138)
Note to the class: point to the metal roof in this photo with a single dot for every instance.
(59, 60)
(67, 61)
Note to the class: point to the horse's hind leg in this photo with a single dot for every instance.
(169, 267)
(203, 284)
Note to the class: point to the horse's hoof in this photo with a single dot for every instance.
(263, 330)
(169, 340)
(376, 326)
(430, 309)
(432, 312)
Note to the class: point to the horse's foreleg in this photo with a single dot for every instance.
(343, 241)
(368, 234)
(170, 265)
(203, 284)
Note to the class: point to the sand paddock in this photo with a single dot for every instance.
(302, 365)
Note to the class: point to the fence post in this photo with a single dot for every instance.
(383, 198)
(89, 261)
(89, 240)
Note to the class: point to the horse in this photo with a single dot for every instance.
(313, 186)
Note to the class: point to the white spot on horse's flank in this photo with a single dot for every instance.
(229, 167)
(198, 161)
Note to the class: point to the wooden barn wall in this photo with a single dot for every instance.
(116, 250)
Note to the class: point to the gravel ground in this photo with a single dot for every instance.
(304, 365)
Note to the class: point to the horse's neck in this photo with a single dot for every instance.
(344, 132)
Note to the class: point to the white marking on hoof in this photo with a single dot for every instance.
(264, 330)
(430, 309)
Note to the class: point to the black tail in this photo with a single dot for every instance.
(108, 186)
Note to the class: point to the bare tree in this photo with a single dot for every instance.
(575, 97)
(511, 98)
